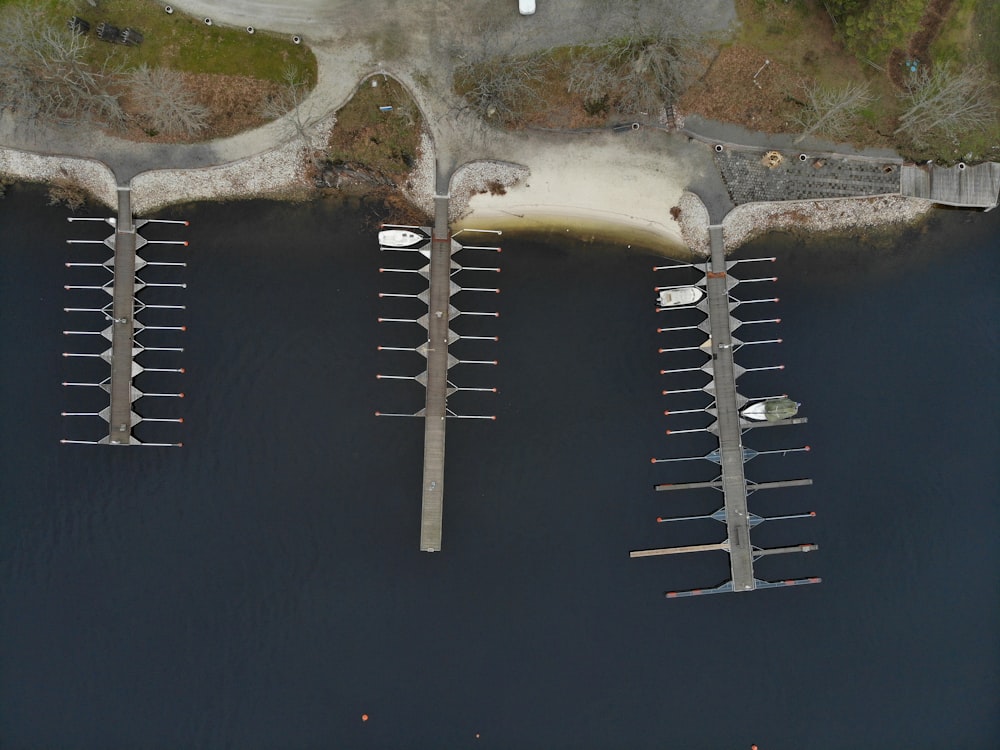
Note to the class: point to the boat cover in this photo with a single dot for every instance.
(776, 409)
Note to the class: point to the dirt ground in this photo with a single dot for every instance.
(743, 87)
(234, 104)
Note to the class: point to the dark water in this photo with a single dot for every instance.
(262, 588)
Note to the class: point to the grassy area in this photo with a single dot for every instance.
(957, 36)
(181, 42)
(386, 143)
(801, 43)
(798, 35)
(758, 79)
(985, 34)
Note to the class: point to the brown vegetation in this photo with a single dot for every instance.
(386, 142)
(730, 93)
(234, 104)
(65, 192)
(812, 84)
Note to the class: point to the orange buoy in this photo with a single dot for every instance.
(364, 717)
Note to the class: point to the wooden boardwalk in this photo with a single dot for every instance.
(121, 418)
(961, 185)
(435, 409)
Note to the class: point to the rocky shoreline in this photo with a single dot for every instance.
(280, 173)
(836, 215)
(88, 175)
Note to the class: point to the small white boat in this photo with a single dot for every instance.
(771, 410)
(677, 296)
(400, 238)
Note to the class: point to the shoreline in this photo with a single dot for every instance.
(553, 196)
(609, 188)
(828, 216)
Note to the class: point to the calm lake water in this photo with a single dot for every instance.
(262, 587)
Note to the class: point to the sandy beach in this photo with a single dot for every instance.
(604, 187)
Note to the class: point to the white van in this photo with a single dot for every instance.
(527, 7)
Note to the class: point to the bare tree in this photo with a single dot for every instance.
(643, 63)
(503, 89)
(161, 98)
(289, 102)
(832, 111)
(45, 77)
(947, 102)
(497, 75)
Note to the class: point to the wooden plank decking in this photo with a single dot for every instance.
(123, 309)
(964, 186)
(435, 410)
(730, 438)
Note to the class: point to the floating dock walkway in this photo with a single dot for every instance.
(120, 314)
(729, 426)
(439, 250)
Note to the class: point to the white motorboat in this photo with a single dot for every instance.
(400, 238)
(677, 296)
(771, 410)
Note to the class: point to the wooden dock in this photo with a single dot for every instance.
(436, 409)
(730, 436)
(729, 427)
(121, 418)
(121, 326)
(439, 246)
